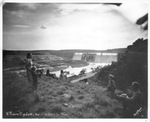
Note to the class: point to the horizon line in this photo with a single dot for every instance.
(60, 49)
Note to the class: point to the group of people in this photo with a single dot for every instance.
(32, 72)
(132, 106)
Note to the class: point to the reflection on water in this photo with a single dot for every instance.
(76, 70)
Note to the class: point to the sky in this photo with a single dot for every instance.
(54, 26)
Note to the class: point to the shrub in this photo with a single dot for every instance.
(40, 110)
(57, 109)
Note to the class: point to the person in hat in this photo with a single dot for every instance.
(111, 87)
(134, 103)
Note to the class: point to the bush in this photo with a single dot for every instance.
(41, 109)
(57, 109)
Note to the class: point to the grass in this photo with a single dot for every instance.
(103, 106)
(49, 101)
(57, 109)
(17, 95)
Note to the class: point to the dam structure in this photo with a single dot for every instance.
(93, 57)
(96, 57)
(77, 56)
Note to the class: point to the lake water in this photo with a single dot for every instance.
(76, 70)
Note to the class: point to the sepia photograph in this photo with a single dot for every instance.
(75, 60)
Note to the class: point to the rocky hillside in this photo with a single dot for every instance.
(132, 66)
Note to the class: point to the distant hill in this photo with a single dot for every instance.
(42, 52)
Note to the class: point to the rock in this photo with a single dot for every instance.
(67, 96)
(71, 98)
(79, 92)
(80, 97)
(65, 104)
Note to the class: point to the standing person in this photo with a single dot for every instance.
(31, 72)
(28, 66)
(132, 106)
(111, 87)
(34, 76)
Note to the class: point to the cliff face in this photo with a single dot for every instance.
(131, 66)
(135, 62)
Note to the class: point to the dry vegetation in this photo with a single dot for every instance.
(57, 99)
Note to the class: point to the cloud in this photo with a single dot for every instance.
(21, 26)
(43, 27)
(29, 14)
(72, 8)
(20, 10)
(31, 6)
(19, 13)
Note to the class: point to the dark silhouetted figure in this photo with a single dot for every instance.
(82, 72)
(48, 74)
(31, 71)
(111, 87)
(62, 75)
(28, 66)
(132, 106)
